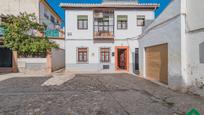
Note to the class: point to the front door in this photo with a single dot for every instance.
(122, 58)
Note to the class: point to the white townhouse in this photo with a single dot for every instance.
(103, 37)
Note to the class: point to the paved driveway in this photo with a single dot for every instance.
(103, 94)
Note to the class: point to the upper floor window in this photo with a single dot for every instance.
(46, 14)
(105, 55)
(82, 55)
(82, 22)
(122, 22)
(140, 20)
(52, 19)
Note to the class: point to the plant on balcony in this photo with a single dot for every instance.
(23, 34)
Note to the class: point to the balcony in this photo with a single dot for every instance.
(103, 35)
(103, 24)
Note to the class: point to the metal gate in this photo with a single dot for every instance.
(5, 57)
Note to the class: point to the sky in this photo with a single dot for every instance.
(60, 11)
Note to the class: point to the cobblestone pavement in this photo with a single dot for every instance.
(102, 94)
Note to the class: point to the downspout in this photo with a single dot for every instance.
(184, 63)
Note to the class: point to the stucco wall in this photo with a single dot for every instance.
(195, 15)
(169, 33)
(133, 30)
(71, 24)
(58, 59)
(167, 28)
(94, 63)
(14, 7)
(195, 68)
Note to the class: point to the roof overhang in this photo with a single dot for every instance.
(114, 6)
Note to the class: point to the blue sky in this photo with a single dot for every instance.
(55, 4)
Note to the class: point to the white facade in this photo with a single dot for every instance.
(176, 27)
(84, 39)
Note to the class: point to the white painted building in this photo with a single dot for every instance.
(103, 37)
(172, 47)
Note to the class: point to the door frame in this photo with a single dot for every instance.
(116, 57)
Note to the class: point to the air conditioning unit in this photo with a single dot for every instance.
(98, 15)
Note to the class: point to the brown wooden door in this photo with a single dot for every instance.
(157, 63)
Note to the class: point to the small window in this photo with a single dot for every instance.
(52, 19)
(140, 20)
(46, 14)
(82, 54)
(105, 55)
(122, 22)
(82, 22)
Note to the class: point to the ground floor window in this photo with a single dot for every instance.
(82, 54)
(105, 55)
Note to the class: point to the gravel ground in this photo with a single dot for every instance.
(99, 94)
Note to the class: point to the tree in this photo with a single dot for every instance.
(21, 35)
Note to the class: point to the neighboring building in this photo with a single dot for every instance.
(45, 15)
(43, 11)
(172, 47)
(103, 37)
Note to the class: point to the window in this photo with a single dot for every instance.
(82, 22)
(52, 19)
(140, 20)
(82, 54)
(46, 14)
(122, 22)
(105, 55)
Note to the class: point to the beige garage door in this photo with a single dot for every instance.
(157, 63)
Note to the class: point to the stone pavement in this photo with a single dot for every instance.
(92, 94)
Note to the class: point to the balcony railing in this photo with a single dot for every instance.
(52, 33)
(1, 32)
(103, 35)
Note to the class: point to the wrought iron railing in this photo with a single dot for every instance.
(52, 33)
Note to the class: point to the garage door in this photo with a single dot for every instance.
(157, 63)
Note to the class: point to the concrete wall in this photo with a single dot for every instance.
(166, 29)
(55, 60)
(32, 65)
(14, 7)
(58, 59)
(195, 68)
(194, 46)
